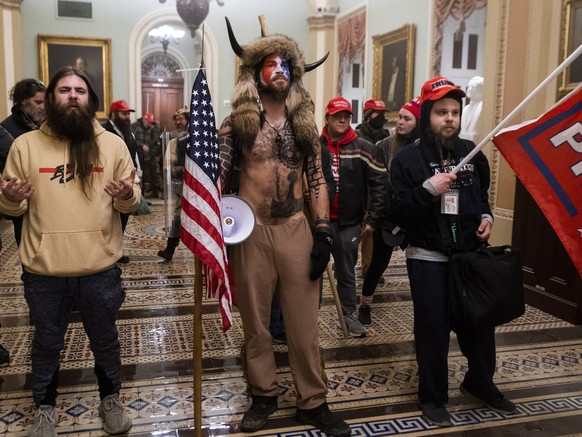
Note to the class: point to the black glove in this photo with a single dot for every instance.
(320, 254)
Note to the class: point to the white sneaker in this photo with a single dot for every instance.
(115, 420)
(355, 328)
(43, 424)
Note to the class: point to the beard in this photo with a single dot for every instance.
(73, 126)
(36, 115)
(122, 125)
(444, 143)
(76, 127)
(276, 91)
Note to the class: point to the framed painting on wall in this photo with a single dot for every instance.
(394, 68)
(92, 55)
(570, 38)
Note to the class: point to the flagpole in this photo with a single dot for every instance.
(500, 126)
(197, 347)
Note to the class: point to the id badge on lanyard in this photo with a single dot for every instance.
(450, 202)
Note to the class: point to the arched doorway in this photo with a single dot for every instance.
(188, 63)
(162, 88)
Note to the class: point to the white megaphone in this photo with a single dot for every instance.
(238, 219)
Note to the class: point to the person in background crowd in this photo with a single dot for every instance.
(119, 124)
(180, 118)
(5, 143)
(147, 134)
(423, 184)
(71, 240)
(27, 114)
(270, 139)
(371, 129)
(27, 107)
(173, 165)
(357, 174)
(385, 239)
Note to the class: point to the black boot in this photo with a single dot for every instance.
(4, 355)
(171, 245)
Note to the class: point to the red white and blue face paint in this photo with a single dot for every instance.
(274, 67)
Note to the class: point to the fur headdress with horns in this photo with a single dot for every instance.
(246, 106)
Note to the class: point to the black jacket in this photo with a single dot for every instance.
(360, 172)
(367, 132)
(130, 141)
(414, 208)
(18, 123)
(5, 143)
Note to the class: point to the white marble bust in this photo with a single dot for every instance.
(472, 111)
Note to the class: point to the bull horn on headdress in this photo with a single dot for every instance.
(236, 48)
(314, 65)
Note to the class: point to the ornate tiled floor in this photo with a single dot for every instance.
(372, 381)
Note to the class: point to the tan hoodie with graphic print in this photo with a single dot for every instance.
(65, 232)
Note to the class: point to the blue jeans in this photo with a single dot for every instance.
(432, 329)
(98, 298)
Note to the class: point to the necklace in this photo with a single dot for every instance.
(278, 137)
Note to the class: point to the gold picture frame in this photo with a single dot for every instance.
(570, 39)
(91, 54)
(394, 68)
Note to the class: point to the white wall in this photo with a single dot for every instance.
(116, 19)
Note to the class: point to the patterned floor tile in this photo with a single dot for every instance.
(156, 333)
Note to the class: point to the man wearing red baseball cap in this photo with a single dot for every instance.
(118, 123)
(371, 129)
(443, 213)
(357, 175)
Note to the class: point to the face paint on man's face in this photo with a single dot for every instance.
(274, 66)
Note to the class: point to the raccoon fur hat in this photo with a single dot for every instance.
(247, 116)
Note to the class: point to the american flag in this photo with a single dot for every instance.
(201, 224)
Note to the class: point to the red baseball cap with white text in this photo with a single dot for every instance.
(375, 105)
(437, 87)
(120, 105)
(338, 104)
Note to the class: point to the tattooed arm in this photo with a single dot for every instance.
(226, 145)
(318, 194)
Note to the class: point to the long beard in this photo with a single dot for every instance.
(444, 143)
(123, 126)
(77, 129)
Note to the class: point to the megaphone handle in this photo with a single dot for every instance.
(328, 271)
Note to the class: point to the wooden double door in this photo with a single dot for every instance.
(162, 98)
(551, 281)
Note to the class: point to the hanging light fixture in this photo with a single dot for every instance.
(193, 12)
(166, 34)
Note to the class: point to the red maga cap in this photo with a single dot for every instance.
(120, 105)
(149, 117)
(437, 87)
(375, 105)
(338, 104)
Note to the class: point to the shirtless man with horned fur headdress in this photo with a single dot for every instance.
(272, 137)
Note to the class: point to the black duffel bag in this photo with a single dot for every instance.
(486, 286)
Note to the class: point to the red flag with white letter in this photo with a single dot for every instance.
(546, 155)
